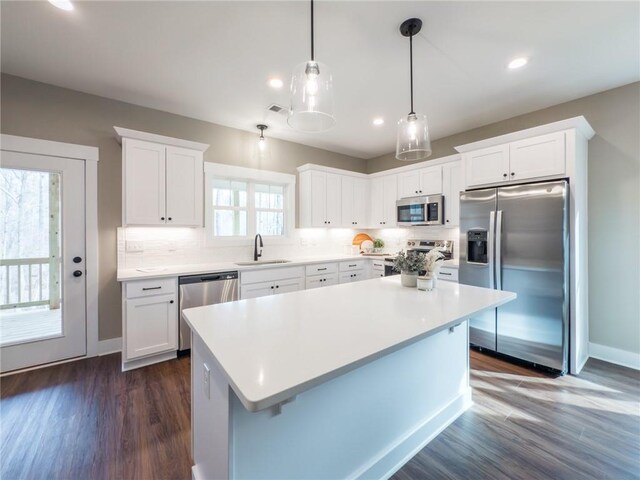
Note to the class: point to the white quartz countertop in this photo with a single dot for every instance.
(273, 348)
(195, 269)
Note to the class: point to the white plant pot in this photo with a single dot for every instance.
(409, 279)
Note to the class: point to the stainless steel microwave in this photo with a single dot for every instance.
(425, 210)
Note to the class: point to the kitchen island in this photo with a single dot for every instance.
(347, 381)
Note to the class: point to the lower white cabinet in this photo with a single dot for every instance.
(448, 274)
(260, 283)
(377, 269)
(150, 321)
(317, 281)
(354, 276)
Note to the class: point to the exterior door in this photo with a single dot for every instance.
(42, 271)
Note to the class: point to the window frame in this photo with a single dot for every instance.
(251, 176)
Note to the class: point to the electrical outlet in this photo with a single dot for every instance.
(133, 247)
(206, 380)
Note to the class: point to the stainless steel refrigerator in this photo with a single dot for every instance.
(516, 238)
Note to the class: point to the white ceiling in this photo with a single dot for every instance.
(211, 60)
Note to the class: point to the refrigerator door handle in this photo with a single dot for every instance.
(490, 252)
(498, 253)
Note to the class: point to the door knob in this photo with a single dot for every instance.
(77, 273)
(77, 259)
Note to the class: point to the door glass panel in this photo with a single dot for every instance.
(30, 280)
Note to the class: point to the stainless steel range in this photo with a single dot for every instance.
(422, 246)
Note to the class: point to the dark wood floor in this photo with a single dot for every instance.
(87, 420)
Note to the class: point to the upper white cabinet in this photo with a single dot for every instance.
(424, 181)
(162, 180)
(320, 199)
(384, 193)
(540, 156)
(354, 201)
(452, 185)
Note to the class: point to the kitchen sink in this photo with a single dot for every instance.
(262, 262)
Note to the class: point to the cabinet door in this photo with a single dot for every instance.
(377, 202)
(256, 290)
(360, 201)
(489, 165)
(348, 214)
(289, 285)
(185, 198)
(144, 182)
(348, 277)
(409, 184)
(318, 281)
(318, 199)
(390, 198)
(452, 186)
(431, 180)
(333, 197)
(537, 157)
(151, 326)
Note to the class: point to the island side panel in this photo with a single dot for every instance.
(364, 424)
(209, 415)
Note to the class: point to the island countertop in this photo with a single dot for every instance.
(273, 348)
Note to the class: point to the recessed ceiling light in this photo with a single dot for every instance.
(518, 63)
(275, 83)
(62, 4)
(378, 121)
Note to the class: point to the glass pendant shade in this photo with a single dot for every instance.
(262, 152)
(413, 138)
(311, 98)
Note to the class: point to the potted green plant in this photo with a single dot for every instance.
(378, 245)
(409, 265)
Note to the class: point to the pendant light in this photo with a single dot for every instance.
(413, 133)
(311, 107)
(262, 149)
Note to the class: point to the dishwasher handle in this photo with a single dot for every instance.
(208, 278)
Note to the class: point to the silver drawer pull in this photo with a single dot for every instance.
(151, 288)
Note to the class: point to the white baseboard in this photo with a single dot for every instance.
(615, 355)
(111, 345)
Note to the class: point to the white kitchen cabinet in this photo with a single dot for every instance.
(489, 165)
(354, 201)
(452, 185)
(536, 157)
(320, 199)
(144, 182)
(317, 281)
(355, 276)
(185, 191)
(151, 326)
(162, 184)
(149, 321)
(377, 269)
(260, 283)
(384, 193)
(424, 181)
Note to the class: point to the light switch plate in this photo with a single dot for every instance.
(133, 247)
(206, 380)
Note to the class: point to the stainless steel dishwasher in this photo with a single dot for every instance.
(200, 290)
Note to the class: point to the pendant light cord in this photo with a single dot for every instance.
(312, 53)
(410, 70)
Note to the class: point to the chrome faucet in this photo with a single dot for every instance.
(257, 255)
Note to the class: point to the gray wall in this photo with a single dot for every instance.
(614, 203)
(38, 110)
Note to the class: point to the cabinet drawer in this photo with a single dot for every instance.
(317, 281)
(448, 274)
(270, 274)
(348, 277)
(352, 265)
(146, 288)
(322, 268)
(377, 266)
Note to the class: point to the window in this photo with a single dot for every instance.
(241, 202)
